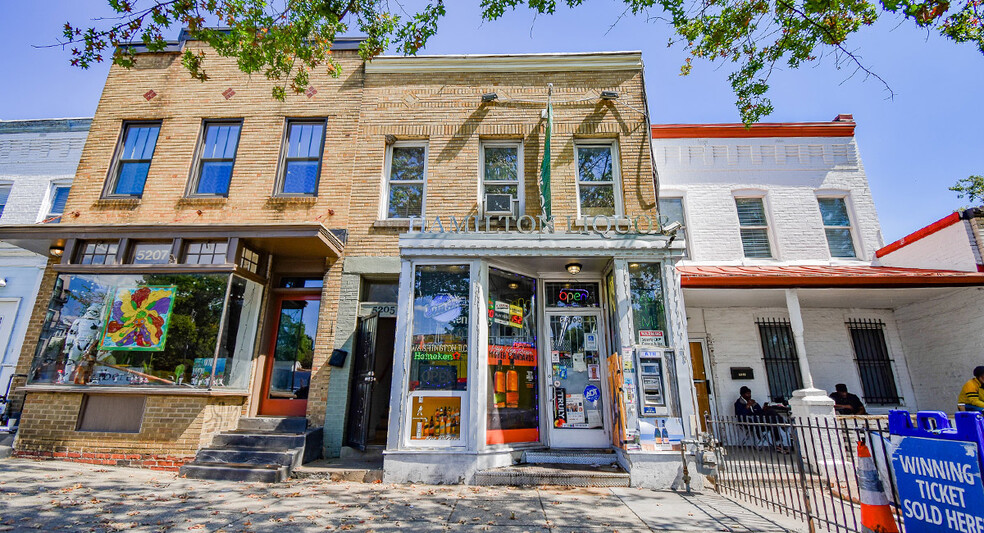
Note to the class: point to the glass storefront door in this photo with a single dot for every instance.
(288, 371)
(575, 377)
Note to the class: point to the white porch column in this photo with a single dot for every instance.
(808, 401)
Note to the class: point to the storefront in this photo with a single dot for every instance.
(155, 339)
(506, 342)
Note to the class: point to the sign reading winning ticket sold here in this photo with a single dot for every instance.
(939, 483)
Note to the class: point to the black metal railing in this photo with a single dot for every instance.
(803, 468)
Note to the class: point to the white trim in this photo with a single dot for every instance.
(385, 189)
(520, 183)
(593, 61)
(616, 182)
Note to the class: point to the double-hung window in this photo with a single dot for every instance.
(300, 165)
(406, 179)
(502, 172)
(216, 157)
(597, 179)
(837, 226)
(754, 226)
(4, 196)
(133, 156)
(59, 196)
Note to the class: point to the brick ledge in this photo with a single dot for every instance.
(148, 391)
(166, 463)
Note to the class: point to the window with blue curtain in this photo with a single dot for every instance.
(837, 226)
(218, 155)
(302, 157)
(4, 195)
(139, 141)
(59, 196)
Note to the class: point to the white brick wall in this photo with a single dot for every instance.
(944, 340)
(951, 248)
(733, 340)
(789, 171)
(34, 156)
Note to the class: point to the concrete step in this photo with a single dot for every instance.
(259, 441)
(274, 424)
(553, 474)
(372, 453)
(570, 457)
(291, 458)
(341, 470)
(6, 445)
(235, 472)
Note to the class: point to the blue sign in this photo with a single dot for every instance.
(591, 393)
(939, 484)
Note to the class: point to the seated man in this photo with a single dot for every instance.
(846, 403)
(745, 406)
(971, 396)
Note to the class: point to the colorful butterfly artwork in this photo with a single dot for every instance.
(138, 319)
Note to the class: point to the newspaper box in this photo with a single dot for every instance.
(937, 469)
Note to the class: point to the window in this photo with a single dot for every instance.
(440, 328)
(670, 211)
(406, 178)
(781, 362)
(648, 309)
(874, 364)
(250, 260)
(570, 294)
(147, 329)
(150, 253)
(502, 172)
(754, 227)
(597, 180)
(837, 226)
(380, 291)
(206, 252)
(133, 159)
(301, 164)
(59, 196)
(512, 411)
(301, 282)
(97, 253)
(111, 413)
(4, 196)
(216, 157)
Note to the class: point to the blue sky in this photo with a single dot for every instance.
(913, 147)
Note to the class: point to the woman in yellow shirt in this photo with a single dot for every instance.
(971, 396)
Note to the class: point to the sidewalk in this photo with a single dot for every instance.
(62, 496)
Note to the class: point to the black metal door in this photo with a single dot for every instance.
(363, 382)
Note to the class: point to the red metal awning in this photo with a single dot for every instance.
(821, 276)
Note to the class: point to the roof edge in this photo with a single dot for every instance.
(842, 126)
(920, 233)
(46, 125)
(537, 62)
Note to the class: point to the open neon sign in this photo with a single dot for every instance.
(573, 296)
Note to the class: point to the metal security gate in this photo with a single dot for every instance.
(781, 362)
(803, 468)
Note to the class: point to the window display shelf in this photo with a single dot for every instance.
(112, 389)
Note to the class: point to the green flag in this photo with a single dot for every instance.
(545, 166)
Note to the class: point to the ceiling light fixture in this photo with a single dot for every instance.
(513, 285)
(56, 250)
(573, 268)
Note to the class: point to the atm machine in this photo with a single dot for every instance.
(651, 363)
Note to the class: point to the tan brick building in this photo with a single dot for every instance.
(220, 247)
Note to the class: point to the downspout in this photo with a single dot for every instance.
(649, 138)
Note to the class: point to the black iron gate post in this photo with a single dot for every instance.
(801, 464)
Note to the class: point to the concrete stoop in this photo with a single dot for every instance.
(6, 445)
(264, 449)
(569, 468)
(365, 466)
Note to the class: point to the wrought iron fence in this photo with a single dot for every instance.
(805, 468)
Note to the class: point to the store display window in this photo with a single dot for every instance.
(151, 330)
(513, 413)
(648, 309)
(439, 342)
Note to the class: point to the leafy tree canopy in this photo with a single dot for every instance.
(971, 187)
(287, 39)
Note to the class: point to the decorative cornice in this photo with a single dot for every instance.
(592, 61)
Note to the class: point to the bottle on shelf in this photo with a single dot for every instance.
(499, 386)
(512, 385)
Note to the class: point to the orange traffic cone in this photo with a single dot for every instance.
(876, 515)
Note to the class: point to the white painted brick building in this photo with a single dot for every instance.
(781, 230)
(38, 159)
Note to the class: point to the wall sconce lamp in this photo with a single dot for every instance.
(56, 251)
(573, 268)
(3, 282)
(609, 95)
(489, 97)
